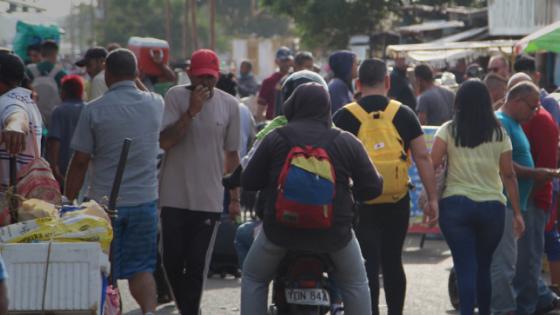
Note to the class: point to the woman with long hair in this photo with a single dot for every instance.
(473, 206)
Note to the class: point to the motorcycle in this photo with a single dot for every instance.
(302, 285)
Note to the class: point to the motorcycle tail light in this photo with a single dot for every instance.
(307, 284)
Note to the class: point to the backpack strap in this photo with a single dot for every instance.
(358, 112)
(34, 70)
(392, 109)
(54, 71)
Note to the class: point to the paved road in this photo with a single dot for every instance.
(427, 271)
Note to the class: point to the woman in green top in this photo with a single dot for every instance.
(473, 206)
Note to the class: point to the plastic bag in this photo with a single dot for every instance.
(77, 227)
(32, 34)
(34, 208)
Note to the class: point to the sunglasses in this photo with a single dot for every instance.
(533, 109)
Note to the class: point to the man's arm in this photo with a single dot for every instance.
(422, 110)
(167, 74)
(260, 115)
(171, 135)
(427, 175)
(423, 117)
(13, 134)
(53, 150)
(539, 174)
(231, 163)
(509, 179)
(3, 298)
(76, 174)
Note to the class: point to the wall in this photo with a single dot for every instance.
(520, 17)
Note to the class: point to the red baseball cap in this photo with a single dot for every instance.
(205, 61)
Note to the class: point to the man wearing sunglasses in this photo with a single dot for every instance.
(526, 64)
(516, 263)
(498, 64)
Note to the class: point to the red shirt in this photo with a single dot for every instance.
(542, 133)
(267, 93)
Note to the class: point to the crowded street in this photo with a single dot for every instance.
(279, 157)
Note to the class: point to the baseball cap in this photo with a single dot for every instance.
(12, 69)
(284, 53)
(92, 53)
(205, 61)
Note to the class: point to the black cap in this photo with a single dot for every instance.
(92, 53)
(284, 53)
(12, 69)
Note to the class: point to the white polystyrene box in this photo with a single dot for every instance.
(73, 282)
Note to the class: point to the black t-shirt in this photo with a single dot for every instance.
(401, 89)
(406, 121)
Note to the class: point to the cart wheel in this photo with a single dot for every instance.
(452, 289)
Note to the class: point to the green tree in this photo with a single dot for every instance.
(330, 23)
(146, 18)
(465, 3)
(243, 17)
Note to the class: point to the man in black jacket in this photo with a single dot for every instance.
(401, 89)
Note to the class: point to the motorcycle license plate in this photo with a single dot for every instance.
(319, 297)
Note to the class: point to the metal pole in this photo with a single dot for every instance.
(185, 33)
(213, 24)
(167, 21)
(193, 27)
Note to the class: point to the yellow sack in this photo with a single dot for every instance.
(35, 208)
(78, 227)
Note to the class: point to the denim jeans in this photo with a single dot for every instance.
(262, 263)
(502, 270)
(472, 231)
(244, 237)
(530, 248)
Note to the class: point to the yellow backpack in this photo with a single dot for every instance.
(385, 148)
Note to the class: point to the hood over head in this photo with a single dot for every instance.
(309, 101)
(340, 63)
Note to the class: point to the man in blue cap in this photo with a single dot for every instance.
(284, 61)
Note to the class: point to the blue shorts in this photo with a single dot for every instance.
(3, 271)
(552, 244)
(135, 240)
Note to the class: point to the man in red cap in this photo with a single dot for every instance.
(200, 135)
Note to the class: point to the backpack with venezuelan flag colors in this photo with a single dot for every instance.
(306, 186)
(385, 148)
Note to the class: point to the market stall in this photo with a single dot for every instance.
(442, 54)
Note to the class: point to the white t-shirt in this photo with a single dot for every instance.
(13, 101)
(98, 86)
(192, 170)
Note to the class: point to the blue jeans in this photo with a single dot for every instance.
(530, 248)
(262, 263)
(472, 231)
(244, 237)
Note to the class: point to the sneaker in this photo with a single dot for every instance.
(337, 309)
(163, 299)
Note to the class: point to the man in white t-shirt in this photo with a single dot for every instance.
(200, 136)
(20, 118)
(94, 61)
(21, 123)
